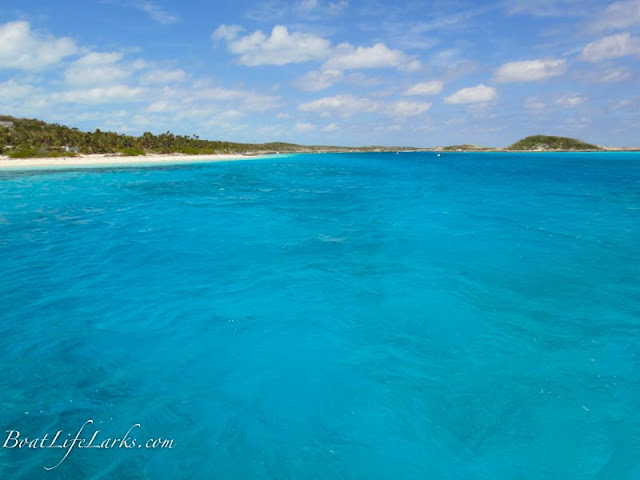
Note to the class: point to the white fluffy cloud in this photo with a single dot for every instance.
(282, 47)
(304, 127)
(100, 95)
(12, 90)
(97, 59)
(347, 105)
(530, 70)
(362, 80)
(613, 46)
(318, 80)
(571, 100)
(96, 69)
(342, 104)
(536, 105)
(164, 76)
(243, 100)
(619, 15)
(425, 88)
(348, 57)
(23, 49)
(477, 94)
(279, 48)
(408, 109)
(228, 33)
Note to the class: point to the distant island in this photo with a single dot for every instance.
(539, 143)
(31, 138)
(546, 142)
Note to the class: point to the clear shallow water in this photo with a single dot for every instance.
(365, 316)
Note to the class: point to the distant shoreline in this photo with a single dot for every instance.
(115, 160)
(111, 160)
(32, 143)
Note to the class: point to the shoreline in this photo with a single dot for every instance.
(110, 160)
(105, 160)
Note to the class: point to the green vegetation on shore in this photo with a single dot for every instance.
(23, 138)
(30, 152)
(547, 142)
(27, 138)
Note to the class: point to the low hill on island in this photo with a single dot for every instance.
(548, 142)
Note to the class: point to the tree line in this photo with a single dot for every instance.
(21, 137)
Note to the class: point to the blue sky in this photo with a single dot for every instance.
(347, 72)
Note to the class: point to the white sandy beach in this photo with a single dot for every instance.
(107, 160)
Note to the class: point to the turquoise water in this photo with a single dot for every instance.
(360, 316)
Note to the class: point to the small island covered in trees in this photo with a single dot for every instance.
(547, 142)
(27, 138)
